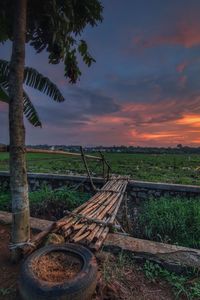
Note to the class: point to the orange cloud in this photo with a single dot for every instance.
(162, 135)
(190, 120)
(165, 123)
(109, 119)
(148, 124)
(197, 142)
(185, 32)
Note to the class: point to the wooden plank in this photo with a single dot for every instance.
(36, 224)
(174, 258)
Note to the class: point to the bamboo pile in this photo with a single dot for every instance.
(90, 223)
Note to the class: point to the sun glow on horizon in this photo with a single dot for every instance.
(192, 120)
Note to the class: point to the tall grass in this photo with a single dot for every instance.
(172, 220)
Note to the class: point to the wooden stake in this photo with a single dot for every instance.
(103, 166)
(87, 169)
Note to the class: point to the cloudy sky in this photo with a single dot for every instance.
(143, 90)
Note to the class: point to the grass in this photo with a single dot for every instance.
(171, 220)
(49, 203)
(6, 291)
(172, 168)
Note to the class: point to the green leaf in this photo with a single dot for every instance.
(41, 83)
(30, 112)
(3, 96)
(29, 109)
(33, 79)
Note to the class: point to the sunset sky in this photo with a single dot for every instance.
(144, 88)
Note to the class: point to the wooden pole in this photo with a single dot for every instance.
(108, 170)
(87, 169)
(103, 166)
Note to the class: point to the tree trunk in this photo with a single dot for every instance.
(18, 175)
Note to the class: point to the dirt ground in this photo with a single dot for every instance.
(115, 281)
(8, 271)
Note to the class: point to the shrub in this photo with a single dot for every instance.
(47, 203)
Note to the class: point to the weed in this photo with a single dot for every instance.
(114, 266)
(182, 285)
(7, 291)
(120, 271)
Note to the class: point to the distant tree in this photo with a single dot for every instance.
(54, 26)
(33, 79)
(180, 146)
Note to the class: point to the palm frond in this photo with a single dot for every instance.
(4, 68)
(35, 80)
(30, 111)
(3, 95)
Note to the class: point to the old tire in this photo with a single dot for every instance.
(81, 287)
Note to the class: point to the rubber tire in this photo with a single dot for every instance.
(81, 287)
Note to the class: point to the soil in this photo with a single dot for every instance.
(127, 283)
(8, 271)
(57, 266)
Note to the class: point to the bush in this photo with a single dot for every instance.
(47, 203)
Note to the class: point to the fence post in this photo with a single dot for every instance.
(87, 169)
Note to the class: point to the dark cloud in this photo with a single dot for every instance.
(80, 106)
(94, 102)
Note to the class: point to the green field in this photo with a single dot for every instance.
(172, 168)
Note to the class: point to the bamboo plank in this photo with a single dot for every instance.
(79, 233)
(103, 209)
(81, 237)
(101, 239)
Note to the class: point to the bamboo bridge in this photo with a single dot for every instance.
(90, 223)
